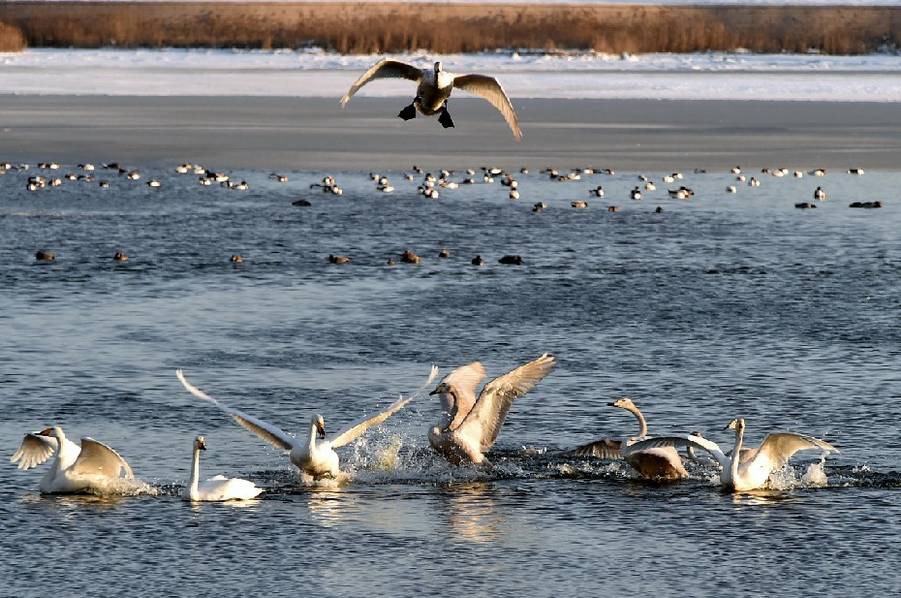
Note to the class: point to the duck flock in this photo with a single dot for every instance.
(440, 185)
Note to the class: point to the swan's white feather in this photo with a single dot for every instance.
(97, 459)
(351, 433)
(678, 441)
(34, 450)
(266, 431)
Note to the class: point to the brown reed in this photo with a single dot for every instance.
(444, 28)
(11, 38)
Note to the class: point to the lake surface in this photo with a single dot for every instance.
(723, 306)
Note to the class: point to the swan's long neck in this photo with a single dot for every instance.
(312, 443)
(195, 475)
(642, 424)
(736, 453)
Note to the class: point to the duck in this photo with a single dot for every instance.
(743, 470)
(315, 458)
(92, 467)
(511, 260)
(856, 171)
(579, 204)
(218, 488)
(42, 255)
(635, 193)
(338, 259)
(444, 253)
(819, 194)
(539, 207)
(478, 261)
(731, 189)
(119, 256)
(434, 87)
(236, 259)
(597, 191)
(410, 257)
(470, 426)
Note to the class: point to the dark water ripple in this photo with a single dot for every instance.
(724, 306)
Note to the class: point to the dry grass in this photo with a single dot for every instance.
(11, 38)
(443, 28)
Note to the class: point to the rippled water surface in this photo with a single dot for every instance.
(718, 307)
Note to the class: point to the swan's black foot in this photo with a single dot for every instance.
(445, 119)
(408, 112)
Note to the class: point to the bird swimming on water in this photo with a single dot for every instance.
(434, 87)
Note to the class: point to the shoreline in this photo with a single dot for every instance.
(315, 134)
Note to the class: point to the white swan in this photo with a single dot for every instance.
(434, 87)
(217, 488)
(470, 426)
(91, 467)
(743, 469)
(316, 459)
(653, 463)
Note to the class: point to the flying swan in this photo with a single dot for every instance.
(316, 459)
(217, 488)
(91, 467)
(661, 462)
(470, 426)
(743, 469)
(434, 87)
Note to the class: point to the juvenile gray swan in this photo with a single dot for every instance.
(434, 87)
(469, 426)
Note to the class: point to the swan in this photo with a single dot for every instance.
(316, 459)
(91, 467)
(434, 87)
(217, 488)
(744, 469)
(470, 426)
(654, 463)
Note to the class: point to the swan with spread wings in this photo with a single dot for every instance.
(92, 467)
(743, 469)
(470, 426)
(434, 87)
(310, 451)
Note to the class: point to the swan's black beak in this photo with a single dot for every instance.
(321, 428)
(611, 404)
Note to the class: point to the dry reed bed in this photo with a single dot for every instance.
(444, 28)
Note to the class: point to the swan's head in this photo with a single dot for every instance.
(441, 389)
(737, 424)
(622, 403)
(200, 443)
(53, 432)
(317, 421)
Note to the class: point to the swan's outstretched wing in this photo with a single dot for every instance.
(266, 431)
(605, 448)
(489, 89)
(34, 450)
(463, 381)
(679, 442)
(351, 433)
(484, 421)
(779, 447)
(96, 458)
(383, 69)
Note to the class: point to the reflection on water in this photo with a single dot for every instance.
(329, 506)
(472, 512)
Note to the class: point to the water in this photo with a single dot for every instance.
(722, 306)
